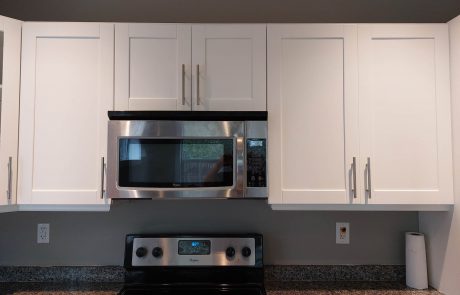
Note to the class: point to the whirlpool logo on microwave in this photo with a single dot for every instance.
(194, 260)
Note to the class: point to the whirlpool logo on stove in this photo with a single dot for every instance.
(194, 260)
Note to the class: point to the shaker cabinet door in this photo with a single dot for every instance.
(153, 67)
(10, 55)
(66, 91)
(229, 67)
(312, 114)
(405, 129)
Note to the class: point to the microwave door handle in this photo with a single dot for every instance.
(183, 84)
(198, 84)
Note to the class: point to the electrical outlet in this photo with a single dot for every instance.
(43, 233)
(342, 233)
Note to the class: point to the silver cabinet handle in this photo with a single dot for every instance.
(102, 177)
(10, 178)
(198, 84)
(369, 186)
(183, 84)
(353, 189)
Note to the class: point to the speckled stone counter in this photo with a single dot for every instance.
(343, 288)
(53, 288)
(280, 280)
(115, 274)
(273, 288)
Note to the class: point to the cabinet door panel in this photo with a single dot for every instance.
(312, 105)
(148, 67)
(232, 73)
(10, 55)
(67, 89)
(404, 97)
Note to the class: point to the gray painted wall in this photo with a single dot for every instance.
(290, 237)
(233, 10)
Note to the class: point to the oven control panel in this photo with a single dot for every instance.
(193, 251)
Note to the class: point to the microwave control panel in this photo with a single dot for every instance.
(256, 162)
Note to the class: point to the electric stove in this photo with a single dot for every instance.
(199, 264)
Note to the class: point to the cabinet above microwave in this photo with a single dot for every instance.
(184, 67)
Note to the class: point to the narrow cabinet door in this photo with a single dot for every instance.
(66, 91)
(405, 113)
(152, 67)
(10, 60)
(312, 114)
(229, 67)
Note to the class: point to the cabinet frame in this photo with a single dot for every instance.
(277, 194)
(27, 194)
(367, 33)
(9, 111)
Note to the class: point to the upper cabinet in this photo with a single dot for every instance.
(357, 114)
(312, 114)
(212, 67)
(405, 122)
(382, 138)
(10, 55)
(229, 67)
(66, 91)
(152, 67)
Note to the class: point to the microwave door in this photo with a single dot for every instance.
(166, 159)
(176, 163)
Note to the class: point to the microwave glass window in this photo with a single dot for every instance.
(175, 163)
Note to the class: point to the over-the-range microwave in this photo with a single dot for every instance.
(164, 154)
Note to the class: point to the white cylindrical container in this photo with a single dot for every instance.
(416, 270)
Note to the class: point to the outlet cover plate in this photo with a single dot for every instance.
(342, 233)
(43, 233)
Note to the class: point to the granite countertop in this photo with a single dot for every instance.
(273, 288)
(279, 280)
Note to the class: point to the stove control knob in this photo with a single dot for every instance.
(246, 252)
(157, 252)
(230, 252)
(141, 252)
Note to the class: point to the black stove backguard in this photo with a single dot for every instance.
(164, 275)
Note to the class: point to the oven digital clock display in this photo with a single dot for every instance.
(194, 247)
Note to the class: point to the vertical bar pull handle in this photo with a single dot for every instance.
(197, 84)
(10, 178)
(353, 189)
(183, 84)
(102, 177)
(368, 170)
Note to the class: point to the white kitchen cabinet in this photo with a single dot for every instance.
(153, 67)
(312, 113)
(398, 130)
(405, 125)
(229, 67)
(10, 54)
(203, 67)
(66, 91)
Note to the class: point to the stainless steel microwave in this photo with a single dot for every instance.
(187, 155)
